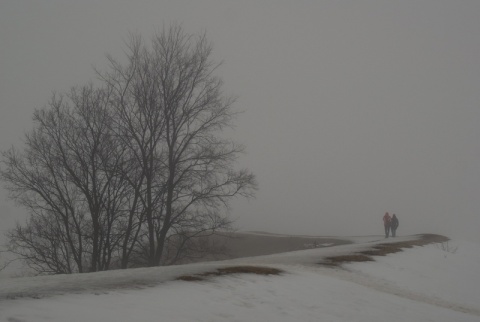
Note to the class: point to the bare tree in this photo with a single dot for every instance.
(140, 125)
(201, 179)
(91, 157)
(68, 179)
(36, 180)
(173, 110)
(114, 176)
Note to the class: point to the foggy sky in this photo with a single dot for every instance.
(351, 108)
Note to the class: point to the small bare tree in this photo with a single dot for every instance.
(5, 262)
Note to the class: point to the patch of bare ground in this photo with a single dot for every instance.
(383, 249)
(259, 270)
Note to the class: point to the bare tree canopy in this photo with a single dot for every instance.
(132, 172)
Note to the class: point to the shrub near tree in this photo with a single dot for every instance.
(113, 176)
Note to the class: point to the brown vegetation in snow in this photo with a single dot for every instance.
(383, 249)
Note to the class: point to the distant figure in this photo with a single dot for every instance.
(386, 224)
(394, 225)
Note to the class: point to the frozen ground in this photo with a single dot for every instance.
(419, 284)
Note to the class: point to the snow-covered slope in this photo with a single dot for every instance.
(419, 284)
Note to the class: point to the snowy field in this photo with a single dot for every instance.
(419, 284)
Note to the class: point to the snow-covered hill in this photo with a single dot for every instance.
(426, 283)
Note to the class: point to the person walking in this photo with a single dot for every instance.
(394, 225)
(386, 223)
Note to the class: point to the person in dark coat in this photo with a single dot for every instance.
(394, 225)
(386, 224)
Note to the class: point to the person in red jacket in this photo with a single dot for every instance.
(386, 223)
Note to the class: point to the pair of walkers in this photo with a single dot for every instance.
(390, 223)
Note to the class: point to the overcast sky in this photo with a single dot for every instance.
(351, 108)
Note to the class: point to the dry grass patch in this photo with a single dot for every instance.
(189, 278)
(383, 249)
(338, 260)
(259, 270)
